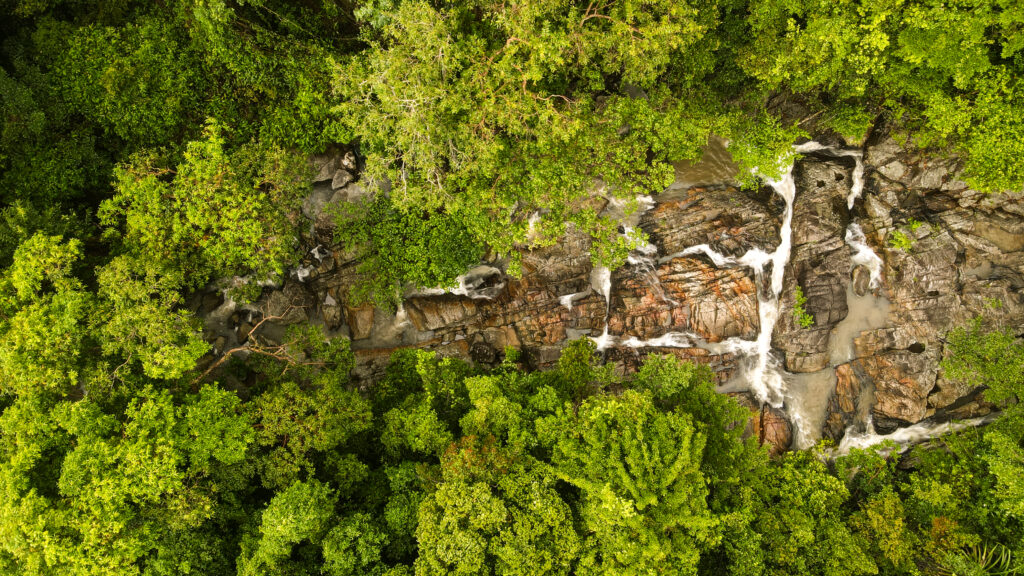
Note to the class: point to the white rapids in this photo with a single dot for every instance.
(903, 437)
(628, 215)
(481, 282)
(760, 372)
(863, 255)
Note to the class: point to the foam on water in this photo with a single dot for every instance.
(718, 259)
(804, 396)
(903, 436)
(604, 340)
(669, 340)
(628, 214)
(761, 374)
(863, 255)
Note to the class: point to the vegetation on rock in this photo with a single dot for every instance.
(150, 148)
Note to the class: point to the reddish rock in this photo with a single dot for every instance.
(767, 424)
(844, 404)
(968, 251)
(431, 313)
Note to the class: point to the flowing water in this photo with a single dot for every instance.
(628, 215)
(601, 282)
(715, 168)
(903, 437)
(807, 395)
(863, 255)
(804, 396)
(867, 312)
(481, 282)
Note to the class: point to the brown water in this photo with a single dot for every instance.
(715, 168)
(807, 395)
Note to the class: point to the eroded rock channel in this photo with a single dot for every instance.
(703, 290)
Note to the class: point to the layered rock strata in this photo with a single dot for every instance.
(871, 356)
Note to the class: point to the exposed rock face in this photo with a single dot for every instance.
(769, 425)
(968, 251)
(820, 264)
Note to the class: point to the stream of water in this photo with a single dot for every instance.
(803, 396)
(903, 437)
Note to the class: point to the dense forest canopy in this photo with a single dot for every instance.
(150, 148)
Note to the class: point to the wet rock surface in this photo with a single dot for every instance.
(819, 265)
(768, 425)
(966, 253)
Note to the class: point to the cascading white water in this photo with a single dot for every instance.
(531, 226)
(601, 276)
(718, 259)
(568, 299)
(473, 284)
(601, 282)
(669, 340)
(902, 436)
(762, 374)
(863, 255)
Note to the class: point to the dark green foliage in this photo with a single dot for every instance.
(149, 148)
(216, 213)
(140, 81)
(405, 248)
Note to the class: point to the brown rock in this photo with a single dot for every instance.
(433, 312)
(844, 405)
(360, 321)
(769, 425)
(968, 253)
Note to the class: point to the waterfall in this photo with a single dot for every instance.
(481, 282)
(601, 282)
(669, 340)
(568, 299)
(718, 259)
(760, 372)
(902, 436)
(863, 255)
(601, 276)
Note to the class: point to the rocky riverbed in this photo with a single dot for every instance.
(868, 365)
